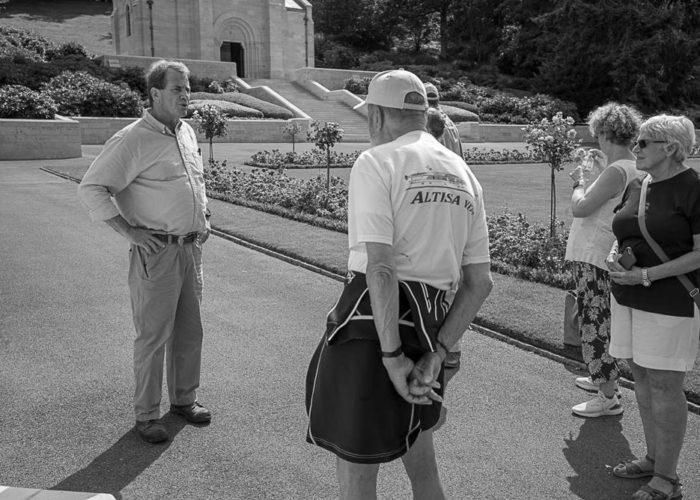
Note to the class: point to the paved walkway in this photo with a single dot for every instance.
(65, 375)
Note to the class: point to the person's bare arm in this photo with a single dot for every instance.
(384, 296)
(475, 286)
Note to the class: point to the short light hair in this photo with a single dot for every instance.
(677, 130)
(619, 123)
(156, 75)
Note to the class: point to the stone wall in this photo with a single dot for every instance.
(216, 70)
(39, 139)
(97, 130)
(332, 79)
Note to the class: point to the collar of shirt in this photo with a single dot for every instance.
(153, 122)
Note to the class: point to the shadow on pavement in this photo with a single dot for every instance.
(123, 462)
(599, 445)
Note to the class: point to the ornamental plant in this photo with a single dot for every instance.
(554, 142)
(212, 123)
(325, 136)
(292, 129)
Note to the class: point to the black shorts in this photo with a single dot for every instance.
(354, 410)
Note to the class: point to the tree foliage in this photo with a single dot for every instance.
(642, 52)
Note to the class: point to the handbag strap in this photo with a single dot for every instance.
(693, 291)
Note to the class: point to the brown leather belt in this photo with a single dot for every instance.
(174, 238)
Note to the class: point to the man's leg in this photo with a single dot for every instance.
(357, 481)
(184, 350)
(154, 296)
(421, 467)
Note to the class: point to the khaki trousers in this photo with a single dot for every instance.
(166, 295)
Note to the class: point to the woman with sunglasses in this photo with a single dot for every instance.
(654, 320)
(615, 127)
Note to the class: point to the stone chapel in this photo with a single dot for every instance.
(265, 38)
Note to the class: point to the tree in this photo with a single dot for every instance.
(417, 18)
(292, 129)
(644, 52)
(212, 123)
(325, 135)
(554, 142)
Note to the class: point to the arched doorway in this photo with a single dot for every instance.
(234, 52)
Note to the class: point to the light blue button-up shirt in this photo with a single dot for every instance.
(152, 177)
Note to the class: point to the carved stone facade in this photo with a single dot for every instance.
(265, 38)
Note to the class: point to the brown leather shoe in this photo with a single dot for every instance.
(152, 431)
(193, 413)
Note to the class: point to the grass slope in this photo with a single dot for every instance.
(84, 21)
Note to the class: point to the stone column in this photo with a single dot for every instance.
(204, 25)
(277, 29)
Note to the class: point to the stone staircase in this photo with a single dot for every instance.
(354, 124)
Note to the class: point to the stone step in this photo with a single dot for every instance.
(352, 122)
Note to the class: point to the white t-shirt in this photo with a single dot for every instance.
(591, 237)
(422, 199)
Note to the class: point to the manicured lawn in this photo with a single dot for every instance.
(84, 21)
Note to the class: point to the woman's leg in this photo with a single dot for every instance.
(594, 293)
(669, 411)
(668, 414)
(643, 393)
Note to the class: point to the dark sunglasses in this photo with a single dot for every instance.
(643, 143)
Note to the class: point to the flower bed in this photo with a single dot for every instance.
(518, 248)
(275, 159)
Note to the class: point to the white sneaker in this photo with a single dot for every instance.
(586, 383)
(599, 406)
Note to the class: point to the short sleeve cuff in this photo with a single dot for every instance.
(103, 213)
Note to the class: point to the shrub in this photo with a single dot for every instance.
(357, 85)
(31, 42)
(132, 76)
(81, 94)
(65, 50)
(461, 105)
(229, 109)
(459, 115)
(17, 101)
(267, 109)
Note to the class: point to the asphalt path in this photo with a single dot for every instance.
(66, 420)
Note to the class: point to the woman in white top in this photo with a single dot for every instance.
(596, 194)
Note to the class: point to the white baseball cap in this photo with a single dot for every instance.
(390, 88)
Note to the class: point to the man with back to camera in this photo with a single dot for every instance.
(415, 220)
(450, 135)
(148, 185)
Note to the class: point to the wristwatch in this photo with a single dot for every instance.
(645, 277)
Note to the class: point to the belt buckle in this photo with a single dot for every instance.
(180, 240)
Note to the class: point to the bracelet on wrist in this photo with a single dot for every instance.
(577, 184)
(393, 354)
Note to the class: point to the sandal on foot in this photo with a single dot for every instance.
(630, 469)
(676, 492)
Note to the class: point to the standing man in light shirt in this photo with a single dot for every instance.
(450, 135)
(148, 185)
(418, 238)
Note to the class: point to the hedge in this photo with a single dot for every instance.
(268, 109)
(81, 94)
(229, 109)
(459, 115)
(17, 101)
